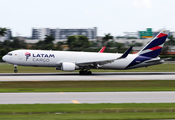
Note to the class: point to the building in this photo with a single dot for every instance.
(39, 33)
(7, 36)
(63, 33)
(148, 33)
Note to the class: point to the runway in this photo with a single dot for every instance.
(95, 76)
(87, 97)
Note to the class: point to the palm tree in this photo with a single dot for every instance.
(2, 31)
(106, 38)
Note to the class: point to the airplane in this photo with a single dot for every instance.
(84, 61)
(102, 50)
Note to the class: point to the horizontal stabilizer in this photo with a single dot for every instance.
(153, 60)
(157, 60)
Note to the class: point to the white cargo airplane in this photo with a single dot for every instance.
(84, 61)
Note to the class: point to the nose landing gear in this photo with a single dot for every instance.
(15, 66)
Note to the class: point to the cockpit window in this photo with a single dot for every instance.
(9, 54)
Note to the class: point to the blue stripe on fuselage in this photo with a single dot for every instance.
(152, 54)
(138, 60)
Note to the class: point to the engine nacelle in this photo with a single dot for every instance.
(68, 66)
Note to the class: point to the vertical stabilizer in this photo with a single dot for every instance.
(102, 49)
(154, 47)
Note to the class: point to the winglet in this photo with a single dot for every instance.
(125, 54)
(102, 49)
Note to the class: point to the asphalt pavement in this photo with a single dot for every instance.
(87, 97)
(72, 76)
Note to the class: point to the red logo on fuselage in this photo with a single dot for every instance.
(27, 54)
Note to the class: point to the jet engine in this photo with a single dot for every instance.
(68, 66)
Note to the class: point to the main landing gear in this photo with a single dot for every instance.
(15, 66)
(85, 71)
(82, 72)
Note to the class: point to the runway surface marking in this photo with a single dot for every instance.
(75, 101)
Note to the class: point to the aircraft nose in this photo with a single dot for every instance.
(4, 58)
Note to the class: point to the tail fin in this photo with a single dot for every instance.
(102, 50)
(154, 47)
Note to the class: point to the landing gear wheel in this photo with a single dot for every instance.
(15, 71)
(89, 73)
(15, 66)
(85, 72)
(80, 72)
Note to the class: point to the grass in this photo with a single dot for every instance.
(26, 108)
(7, 68)
(91, 116)
(90, 111)
(87, 86)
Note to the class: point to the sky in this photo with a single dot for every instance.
(109, 16)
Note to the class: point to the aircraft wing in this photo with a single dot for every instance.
(95, 63)
(102, 62)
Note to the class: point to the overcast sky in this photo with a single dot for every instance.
(109, 16)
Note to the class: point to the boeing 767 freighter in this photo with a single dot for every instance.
(84, 61)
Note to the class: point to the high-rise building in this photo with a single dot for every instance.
(63, 33)
(39, 33)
